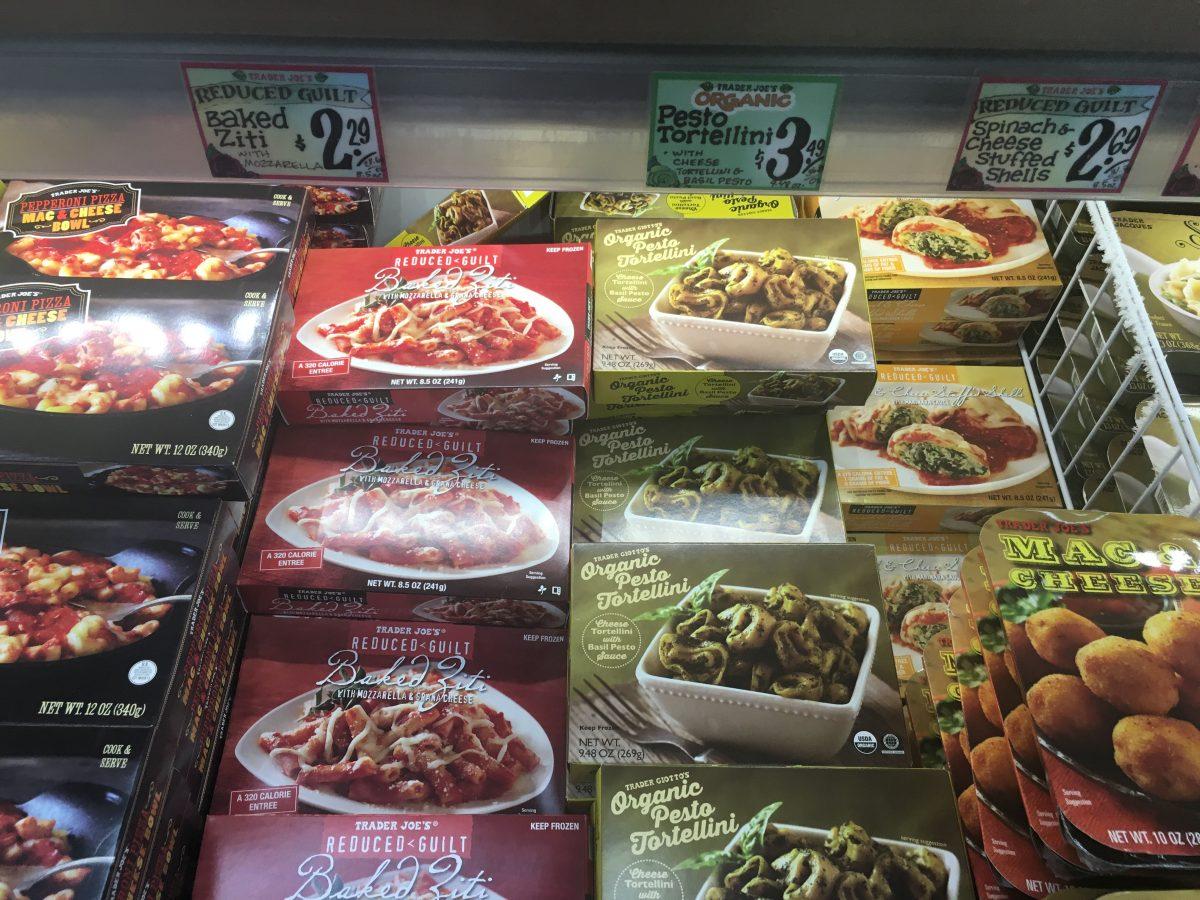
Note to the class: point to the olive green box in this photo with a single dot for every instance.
(748, 653)
(575, 214)
(694, 314)
(706, 832)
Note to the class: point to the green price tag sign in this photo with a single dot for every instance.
(1053, 135)
(740, 131)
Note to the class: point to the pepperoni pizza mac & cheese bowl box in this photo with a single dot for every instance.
(937, 444)
(382, 718)
(422, 857)
(393, 521)
(492, 337)
(110, 616)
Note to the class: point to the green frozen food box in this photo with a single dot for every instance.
(746, 653)
(575, 214)
(735, 833)
(749, 479)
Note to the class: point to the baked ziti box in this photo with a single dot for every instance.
(371, 717)
(109, 614)
(389, 521)
(420, 857)
(937, 444)
(491, 337)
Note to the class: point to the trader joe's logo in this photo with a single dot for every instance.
(80, 207)
(33, 312)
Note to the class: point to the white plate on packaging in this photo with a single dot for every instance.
(1016, 472)
(933, 336)
(315, 493)
(641, 526)
(577, 407)
(915, 264)
(816, 836)
(288, 716)
(750, 345)
(308, 335)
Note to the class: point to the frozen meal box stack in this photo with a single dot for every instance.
(418, 856)
(955, 278)
(405, 522)
(938, 448)
(141, 333)
(343, 215)
(469, 337)
(716, 479)
(1096, 617)
(917, 575)
(373, 717)
(746, 653)
(728, 315)
(575, 214)
(740, 832)
(1164, 253)
(471, 216)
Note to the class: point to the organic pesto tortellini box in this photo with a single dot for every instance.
(706, 478)
(693, 315)
(937, 447)
(751, 653)
(959, 275)
(715, 833)
(575, 214)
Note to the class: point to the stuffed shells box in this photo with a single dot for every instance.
(374, 718)
(111, 615)
(1164, 253)
(478, 857)
(759, 653)
(397, 521)
(917, 574)
(492, 337)
(141, 333)
(575, 214)
(750, 479)
(936, 447)
(710, 832)
(695, 315)
(958, 275)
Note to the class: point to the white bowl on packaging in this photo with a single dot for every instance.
(641, 526)
(757, 399)
(1188, 321)
(742, 344)
(784, 728)
(816, 836)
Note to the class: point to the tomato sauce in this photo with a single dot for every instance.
(1002, 233)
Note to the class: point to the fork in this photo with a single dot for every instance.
(590, 529)
(638, 340)
(635, 725)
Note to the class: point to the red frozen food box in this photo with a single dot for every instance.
(372, 717)
(492, 337)
(389, 521)
(420, 857)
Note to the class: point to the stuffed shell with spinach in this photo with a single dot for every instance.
(779, 642)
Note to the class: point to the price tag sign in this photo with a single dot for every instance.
(1053, 135)
(1184, 180)
(740, 131)
(298, 123)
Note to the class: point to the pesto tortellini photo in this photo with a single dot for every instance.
(779, 641)
(775, 288)
(748, 488)
(846, 863)
(797, 386)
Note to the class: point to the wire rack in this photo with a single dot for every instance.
(1119, 432)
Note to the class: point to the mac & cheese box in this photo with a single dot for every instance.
(575, 214)
(728, 315)
(937, 448)
(382, 718)
(395, 856)
(962, 277)
(493, 337)
(706, 479)
(471, 216)
(709, 831)
(114, 615)
(917, 573)
(420, 524)
(743, 653)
